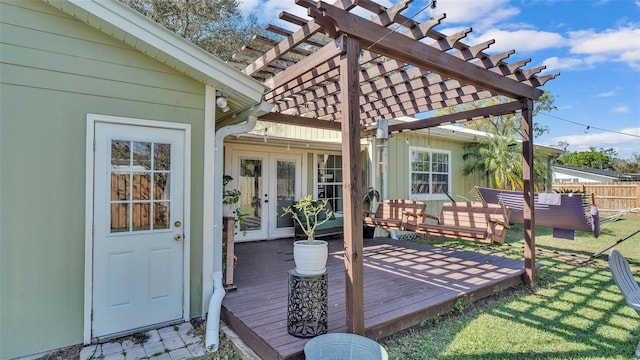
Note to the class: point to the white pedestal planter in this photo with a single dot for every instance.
(310, 259)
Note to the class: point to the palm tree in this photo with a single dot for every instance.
(498, 158)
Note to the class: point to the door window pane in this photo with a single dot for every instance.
(119, 186)
(162, 157)
(161, 186)
(161, 215)
(120, 155)
(142, 155)
(141, 218)
(119, 217)
(140, 186)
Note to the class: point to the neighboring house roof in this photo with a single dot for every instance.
(127, 25)
(599, 172)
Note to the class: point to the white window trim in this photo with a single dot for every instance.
(429, 196)
(316, 183)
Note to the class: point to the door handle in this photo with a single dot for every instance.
(177, 237)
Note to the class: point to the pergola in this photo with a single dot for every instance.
(345, 71)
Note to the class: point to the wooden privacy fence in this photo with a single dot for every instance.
(612, 196)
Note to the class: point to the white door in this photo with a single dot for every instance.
(138, 228)
(268, 182)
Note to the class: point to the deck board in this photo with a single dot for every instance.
(404, 283)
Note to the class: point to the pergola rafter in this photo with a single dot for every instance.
(342, 71)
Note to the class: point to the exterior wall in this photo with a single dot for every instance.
(53, 71)
(398, 167)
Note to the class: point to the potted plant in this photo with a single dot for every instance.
(231, 198)
(310, 256)
(369, 203)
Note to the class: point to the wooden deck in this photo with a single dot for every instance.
(404, 283)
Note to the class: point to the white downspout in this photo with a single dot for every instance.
(212, 339)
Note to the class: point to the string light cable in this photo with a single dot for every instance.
(588, 127)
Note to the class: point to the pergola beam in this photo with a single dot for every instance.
(474, 114)
(300, 121)
(389, 43)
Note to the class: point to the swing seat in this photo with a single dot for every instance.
(394, 214)
(623, 277)
(469, 221)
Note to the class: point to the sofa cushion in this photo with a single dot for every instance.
(335, 223)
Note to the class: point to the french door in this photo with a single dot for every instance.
(268, 182)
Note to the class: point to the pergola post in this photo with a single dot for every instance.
(528, 189)
(352, 185)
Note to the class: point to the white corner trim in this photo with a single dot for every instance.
(208, 197)
(88, 231)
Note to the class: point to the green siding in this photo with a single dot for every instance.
(398, 166)
(53, 71)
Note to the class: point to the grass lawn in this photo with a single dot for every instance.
(576, 312)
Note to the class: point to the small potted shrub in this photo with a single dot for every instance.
(310, 255)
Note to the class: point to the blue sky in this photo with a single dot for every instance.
(594, 44)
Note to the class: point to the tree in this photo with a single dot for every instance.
(630, 166)
(214, 25)
(512, 121)
(498, 157)
(601, 159)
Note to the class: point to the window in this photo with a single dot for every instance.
(429, 172)
(329, 179)
(140, 186)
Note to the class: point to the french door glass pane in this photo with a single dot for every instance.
(286, 185)
(251, 188)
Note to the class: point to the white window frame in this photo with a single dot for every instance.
(316, 183)
(430, 151)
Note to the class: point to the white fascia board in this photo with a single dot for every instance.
(143, 34)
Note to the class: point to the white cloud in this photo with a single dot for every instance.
(523, 40)
(483, 14)
(269, 10)
(606, 94)
(622, 44)
(555, 63)
(622, 109)
(625, 145)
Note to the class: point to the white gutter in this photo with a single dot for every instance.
(212, 339)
